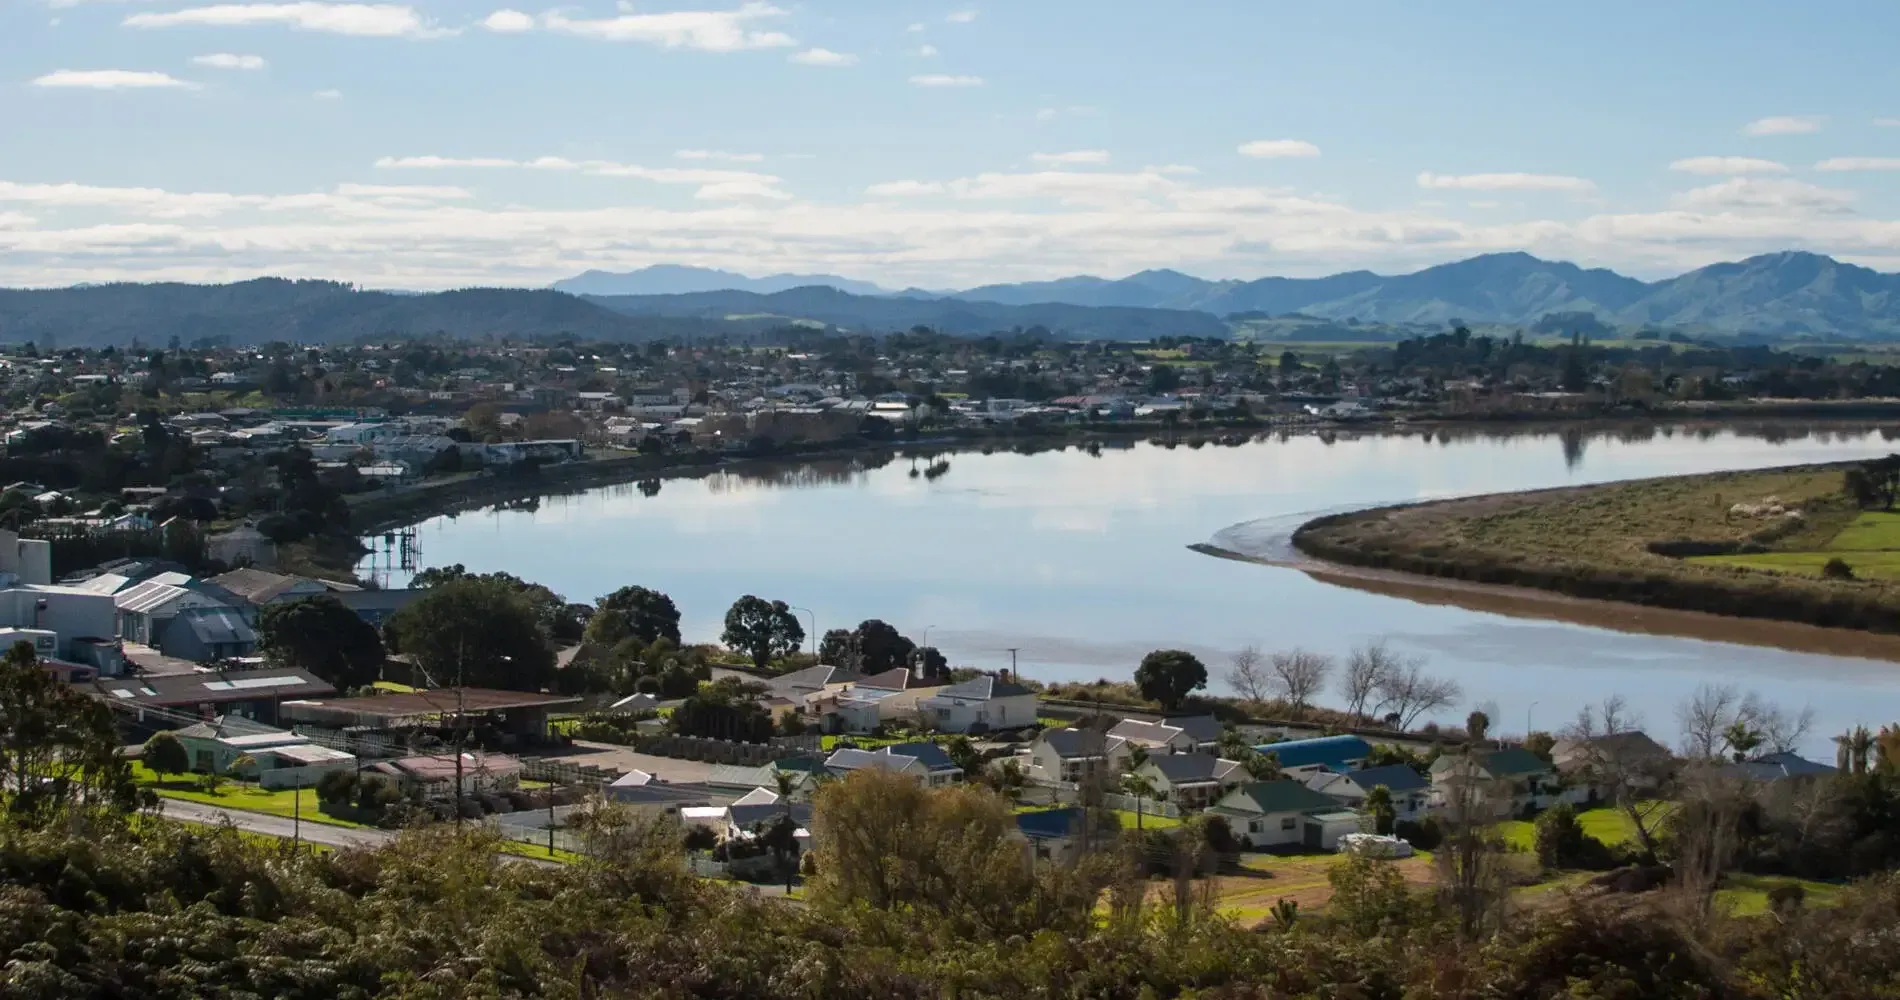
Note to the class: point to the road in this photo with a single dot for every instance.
(275, 826)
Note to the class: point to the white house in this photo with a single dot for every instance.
(980, 705)
(1274, 813)
(1074, 755)
(1192, 780)
(1184, 734)
(925, 762)
(1507, 782)
(1411, 792)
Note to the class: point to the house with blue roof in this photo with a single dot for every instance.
(1303, 758)
(1053, 834)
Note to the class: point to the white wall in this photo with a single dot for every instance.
(1269, 830)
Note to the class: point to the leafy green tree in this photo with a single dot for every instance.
(763, 630)
(650, 614)
(1379, 807)
(1168, 676)
(322, 636)
(164, 754)
(725, 710)
(474, 632)
(57, 746)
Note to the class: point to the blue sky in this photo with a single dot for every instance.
(439, 144)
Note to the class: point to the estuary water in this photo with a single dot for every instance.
(1080, 562)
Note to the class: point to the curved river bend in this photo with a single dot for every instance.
(1082, 563)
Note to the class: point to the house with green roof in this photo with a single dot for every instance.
(1511, 781)
(1276, 813)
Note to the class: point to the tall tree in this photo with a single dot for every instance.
(763, 630)
(1248, 675)
(475, 632)
(165, 755)
(57, 746)
(1169, 676)
(322, 636)
(1297, 675)
(650, 614)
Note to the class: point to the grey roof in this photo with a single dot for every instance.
(983, 688)
(1776, 766)
(811, 679)
(1395, 777)
(748, 817)
(162, 599)
(227, 726)
(668, 794)
(211, 688)
(932, 755)
(742, 776)
(854, 760)
(216, 626)
(1074, 742)
(1203, 728)
(1186, 767)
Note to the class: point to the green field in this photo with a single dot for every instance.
(1611, 826)
(1747, 895)
(232, 795)
(1870, 544)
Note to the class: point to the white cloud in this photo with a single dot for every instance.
(960, 16)
(927, 52)
(916, 26)
(903, 189)
(1727, 165)
(373, 20)
(1846, 163)
(328, 95)
(1045, 114)
(1887, 123)
(1783, 125)
(704, 30)
(945, 80)
(824, 57)
(1755, 194)
(1072, 157)
(428, 192)
(1268, 149)
(508, 22)
(740, 191)
(111, 79)
(1505, 182)
(1174, 169)
(227, 60)
(725, 184)
(718, 154)
(1067, 187)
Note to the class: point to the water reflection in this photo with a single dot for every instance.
(1077, 553)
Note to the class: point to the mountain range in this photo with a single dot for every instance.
(1775, 295)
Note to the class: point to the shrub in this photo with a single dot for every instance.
(1424, 834)
(1561, 842)
(336, 787)
(1837, 569)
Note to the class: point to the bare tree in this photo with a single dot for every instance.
(1367, 667)
(1711, 801)
(1296, 676)
(1408, 692)
(1248, 675)
(1607, 718)
(1719, 720)
(1472, 874)
(1633, 776)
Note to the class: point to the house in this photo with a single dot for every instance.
(261, 587)
(1052, 834)
(249, 694)
(433, 776)
(980, 705)
(1781, 767)
(1272, 813)
(1302, 758)
(1510, 781)
(641, 793)
(1411, 791)
(1600, 763)
(1183, 734)
(1071, 756)
(939, 769)
(1192, 780)
(800, 683)
(278, 758)
(208, 634)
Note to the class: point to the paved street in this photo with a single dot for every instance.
(275, 826)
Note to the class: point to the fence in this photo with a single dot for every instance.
(1149, 807)
(584, 776)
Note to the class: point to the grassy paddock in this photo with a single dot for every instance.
(232, 795)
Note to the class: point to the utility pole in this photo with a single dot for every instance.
(296, 813)
(1013, 675)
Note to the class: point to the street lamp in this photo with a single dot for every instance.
(1527, 720)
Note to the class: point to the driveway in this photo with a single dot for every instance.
(622, 759)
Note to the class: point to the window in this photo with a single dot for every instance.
(1289, 823)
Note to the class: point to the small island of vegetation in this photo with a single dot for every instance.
(1818, 544)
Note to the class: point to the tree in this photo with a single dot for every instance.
(881, 647)
(1367, 668)
(1477, 724)
(1407, 692)
(1379, 806)
(1297, 675)
(57, 746)
(724, 710)
(240, 766)
(474, 632)
(1168, 676)
(322, 636)
(763, 630)
(650, 614)
(1142, 789)
(1719, 720)
(1248, 675)
(165, 755)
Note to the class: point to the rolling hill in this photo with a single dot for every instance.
(674, 279)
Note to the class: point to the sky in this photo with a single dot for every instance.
(450, 143)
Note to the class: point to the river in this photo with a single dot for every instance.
(1080, 562)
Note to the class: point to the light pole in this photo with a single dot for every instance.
(1527, 720)
(814, 626)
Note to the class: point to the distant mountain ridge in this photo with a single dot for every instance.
(1789, 293)
(677, 279)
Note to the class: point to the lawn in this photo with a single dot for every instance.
(1873, 531)
(1609, 825)
(232, 795)
(1747, 895)
(1870, 543)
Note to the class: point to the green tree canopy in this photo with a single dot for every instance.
(164, 754)
(57, 746)
(322, 636)
(763, 630)
(1169, 676)
(475, 632)
(650, 614)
